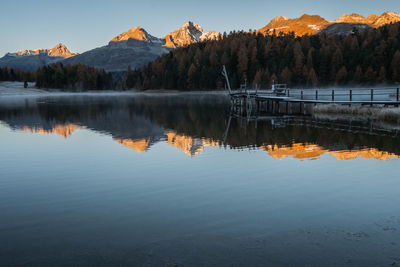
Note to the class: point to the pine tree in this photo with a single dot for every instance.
(312, 78)
(341, 76)
(395, 67)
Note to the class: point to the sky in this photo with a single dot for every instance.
(86, 24)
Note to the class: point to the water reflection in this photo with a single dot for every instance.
(181, 181)
(193, 122)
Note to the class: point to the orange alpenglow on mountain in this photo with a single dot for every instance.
(140, 145)
(59, 50)
(188, 34)
(306, 24)
(313, 151)
(189, 145)
(137, 33)
(312, 24)
(62, 130)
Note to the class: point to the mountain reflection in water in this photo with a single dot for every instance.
(193, 122)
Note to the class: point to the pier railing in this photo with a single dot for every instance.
(345, 95)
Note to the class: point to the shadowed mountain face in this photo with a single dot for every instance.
(191, 123)
(118, 56)
(344, 28)
(134, 48)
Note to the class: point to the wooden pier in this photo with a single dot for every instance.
(271, 101)
(256, 99)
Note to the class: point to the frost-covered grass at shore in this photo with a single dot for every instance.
(387, 114)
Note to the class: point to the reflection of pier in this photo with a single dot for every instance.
(247, 121)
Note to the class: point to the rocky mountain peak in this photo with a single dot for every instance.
(60, 50)
(386, 18)
(211, 35)
(192, 27)
(313, 24)
(137, 33)
(189, 33)
(352, 18)
(280, 18)
(306, 24)
(316, 19)
(391, 14)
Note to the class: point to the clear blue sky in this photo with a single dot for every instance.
(85, 24)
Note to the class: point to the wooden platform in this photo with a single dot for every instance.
(381, 96)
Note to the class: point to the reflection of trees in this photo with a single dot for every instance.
(195, 116)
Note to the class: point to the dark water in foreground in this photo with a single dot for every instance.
(162, 181)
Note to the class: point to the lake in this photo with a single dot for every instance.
(179, 180)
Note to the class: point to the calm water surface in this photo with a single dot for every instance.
(180, 181)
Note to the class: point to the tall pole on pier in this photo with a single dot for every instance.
(225, 74)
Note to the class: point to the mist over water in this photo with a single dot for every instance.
(178, 180)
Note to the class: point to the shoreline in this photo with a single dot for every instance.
(13, 89)
(379, 114)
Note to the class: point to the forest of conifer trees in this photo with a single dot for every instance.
(367, 58)
(7, 74)
(58, 76)
(73, 77)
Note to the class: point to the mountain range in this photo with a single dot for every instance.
(136, 47)
(314, 24)
(35, 58)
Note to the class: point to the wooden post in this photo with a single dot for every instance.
(302, 94)
(333, 95)
(288, 93)
(351, 95)
(397, 94)
(372, 96)
(316, 94)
